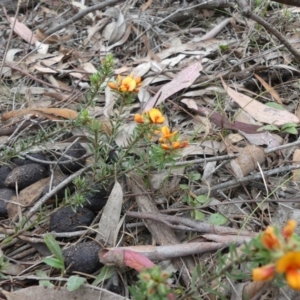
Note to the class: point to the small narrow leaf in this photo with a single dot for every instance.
(54, 247)
(275, 105)
(106, 273)
(44, 282)
(75, 282)
(268, 127)
(54, 262)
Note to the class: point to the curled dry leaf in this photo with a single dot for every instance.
(259, 111)
(116, 29)
(50, 39)
(46, 112)
(247, 161)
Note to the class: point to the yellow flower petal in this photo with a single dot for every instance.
(291, 260)
(293, 278)
(156, 116)
(128, 84)
(166, 132)
(138, 81)
(263, 273)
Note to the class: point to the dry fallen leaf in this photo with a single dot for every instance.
(259, 111)
(269, 89)
(182, 80)
(111, 215)
(46, 112)
(52, 293)
(23, 31)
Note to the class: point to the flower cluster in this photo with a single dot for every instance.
(283, 251)
(127, 84)
(168, 140)
(153, 116)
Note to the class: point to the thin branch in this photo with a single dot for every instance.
(246, 12)
(236, 182)
(64, 183)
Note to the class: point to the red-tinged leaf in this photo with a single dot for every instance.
(137, 261)
(182, 80)
(224, 122)
(23, 31)
(259, 111)
(122, 257)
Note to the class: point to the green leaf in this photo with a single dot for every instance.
(289, 124)
(106, 273)
(44, 282)
(217, 219)
(291, 130)
(54, 262)
(202, 199)
(197, 215)
(194, 176)
(75, 282)
(184, 186)
(269, 127)
(275, 105)
(53, 246)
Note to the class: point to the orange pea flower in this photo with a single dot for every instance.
(289, 228)
(289, 264)
(112, 85)
(166, 132)
(176, 145)
(264, 273)
(269, 239)
(127, 84)
(156, 116)
(139, 118)
(165, 146)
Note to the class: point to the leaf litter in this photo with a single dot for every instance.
(202, 71)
